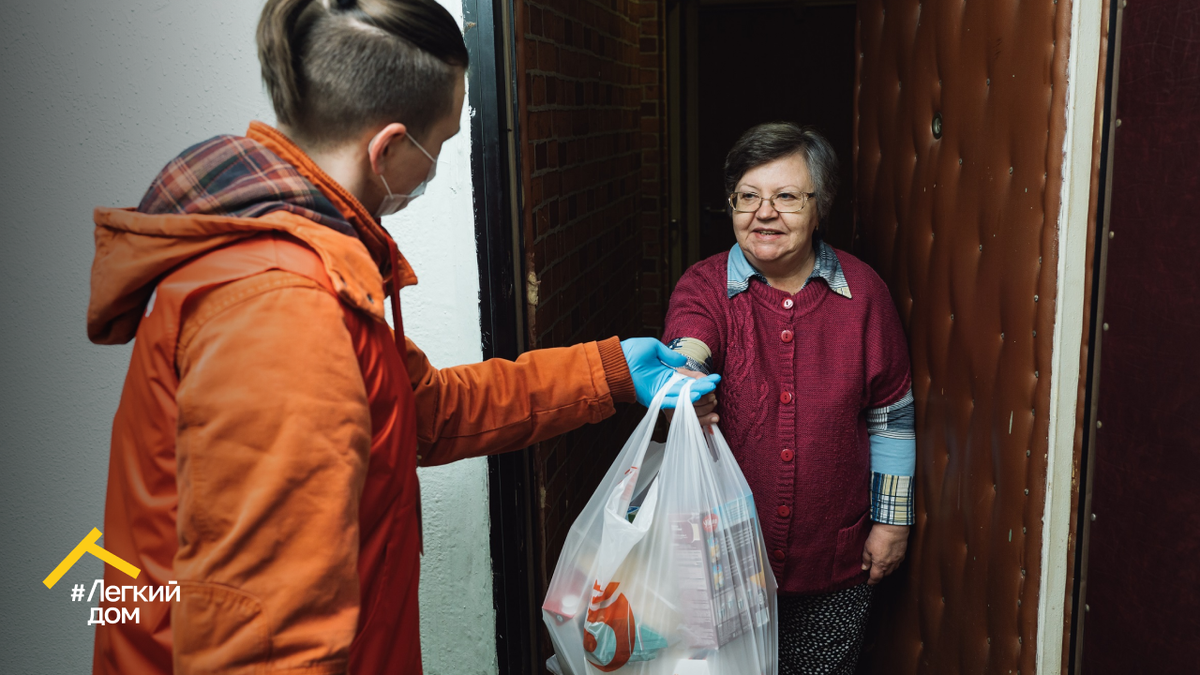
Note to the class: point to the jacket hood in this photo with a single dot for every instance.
(220, 192)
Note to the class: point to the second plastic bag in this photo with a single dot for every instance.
(664, 572)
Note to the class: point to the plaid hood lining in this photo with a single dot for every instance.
(239, 177)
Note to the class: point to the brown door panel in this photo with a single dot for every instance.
(962, 227)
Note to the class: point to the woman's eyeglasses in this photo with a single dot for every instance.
(784, 202)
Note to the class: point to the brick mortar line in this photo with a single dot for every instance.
(534, 37)
(559, 231)
(563, 77)
(571, 193)
(625, 131)
(543, 172)
(582, 190)
(550, 265)
(578, 247)
(571, 78)
(552, 107)
(594, 239)
(629, 20)
(594, 134)
(597, 5)
(582, 80)
(579, 218)
(609, 299)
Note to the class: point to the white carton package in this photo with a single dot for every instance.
(664, 571)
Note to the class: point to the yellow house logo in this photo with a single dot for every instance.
(89, 545)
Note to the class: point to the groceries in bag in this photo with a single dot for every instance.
(664, 570)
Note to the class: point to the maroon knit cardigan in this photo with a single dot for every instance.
(797, 378)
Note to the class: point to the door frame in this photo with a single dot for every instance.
(1074, 658)
(495, 156)
(1084, 66)
(683, 144)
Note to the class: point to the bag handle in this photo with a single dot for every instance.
(619, 534)
(646, 428)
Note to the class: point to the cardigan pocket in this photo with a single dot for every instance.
(847, 561)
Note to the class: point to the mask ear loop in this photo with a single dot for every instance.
(421, 148)
(385, 185)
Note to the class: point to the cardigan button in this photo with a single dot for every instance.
(785, 397)
(786, 336)
(784, 512)
(787, 303)
(779, 554)
(787, 455)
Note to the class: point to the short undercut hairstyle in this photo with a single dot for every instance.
(336, 67)
(768, 142)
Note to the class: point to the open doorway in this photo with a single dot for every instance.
(948, 120)
(733, 64)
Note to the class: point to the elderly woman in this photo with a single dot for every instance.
(816, 402)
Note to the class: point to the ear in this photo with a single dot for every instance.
(379, 147)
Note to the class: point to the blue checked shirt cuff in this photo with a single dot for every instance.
(892, 499)
(699, 356)
(893, 461)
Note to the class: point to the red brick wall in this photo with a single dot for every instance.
(593, 170)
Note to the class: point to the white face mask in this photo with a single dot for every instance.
(392, 203)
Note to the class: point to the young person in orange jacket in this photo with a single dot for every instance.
(265, 449)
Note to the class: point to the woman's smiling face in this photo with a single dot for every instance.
(777, 243)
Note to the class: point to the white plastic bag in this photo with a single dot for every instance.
(664, 572)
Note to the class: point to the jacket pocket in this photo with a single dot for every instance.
(847, 561)
(218, 628)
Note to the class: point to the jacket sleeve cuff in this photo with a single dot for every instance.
(616, 370)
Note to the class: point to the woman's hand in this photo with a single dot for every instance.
(704, 407)
(884, 551)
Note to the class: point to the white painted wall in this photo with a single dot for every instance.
(96, 97)
(441, 315)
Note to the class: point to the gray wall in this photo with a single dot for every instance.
(97, 96)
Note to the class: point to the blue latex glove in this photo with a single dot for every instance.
(651, 363)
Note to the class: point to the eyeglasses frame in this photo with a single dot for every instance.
(771, 200)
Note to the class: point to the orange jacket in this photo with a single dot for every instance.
(264, 452)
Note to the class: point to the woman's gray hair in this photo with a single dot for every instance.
(768, 142)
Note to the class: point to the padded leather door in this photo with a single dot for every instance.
(963, 230)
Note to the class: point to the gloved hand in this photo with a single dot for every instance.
(651, 363)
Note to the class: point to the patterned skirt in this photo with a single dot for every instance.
(822, 634)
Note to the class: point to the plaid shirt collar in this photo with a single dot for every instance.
(826, 267)
(263, 172)
(240, 177)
